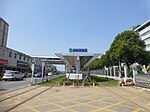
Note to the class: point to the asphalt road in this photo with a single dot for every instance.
(6, 86)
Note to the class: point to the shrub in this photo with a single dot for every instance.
(95, 82)
(68, 82)
(90, 83)
(87, 83)
(148, 69)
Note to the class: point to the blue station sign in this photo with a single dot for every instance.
(77, 50)
(22, 64)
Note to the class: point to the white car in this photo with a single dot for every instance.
(50, 74)
(12, 75)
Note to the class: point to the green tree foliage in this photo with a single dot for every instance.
(148, 69)
(127, 47)
(95, 64)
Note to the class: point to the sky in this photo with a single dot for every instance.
(46, 27)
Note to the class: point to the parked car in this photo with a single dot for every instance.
(55, 73)
(50, 74)
(12, 75)
(39, 74)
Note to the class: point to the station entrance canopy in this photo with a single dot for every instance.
(77, 61)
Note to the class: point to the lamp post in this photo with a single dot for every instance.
(32, 68)
(119, 69)
(43, 65)
(125, 70)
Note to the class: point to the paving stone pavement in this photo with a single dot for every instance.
(77, 99)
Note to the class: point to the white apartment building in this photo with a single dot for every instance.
(144, 32)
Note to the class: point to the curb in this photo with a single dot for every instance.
(143, 89)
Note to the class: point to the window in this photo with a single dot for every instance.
(24, 57)
(28, 59)
(20, 57)
(10, 54)
(146, 33)
(148, 45)
(15, 55)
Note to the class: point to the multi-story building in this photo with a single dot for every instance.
(3, 32)
(144, 32)
(11, 59)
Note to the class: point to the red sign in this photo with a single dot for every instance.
(2, 61)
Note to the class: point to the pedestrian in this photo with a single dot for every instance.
(121, 82)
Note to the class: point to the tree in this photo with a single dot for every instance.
(129, 48)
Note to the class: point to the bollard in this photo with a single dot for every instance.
(63, 83)
(93, 84)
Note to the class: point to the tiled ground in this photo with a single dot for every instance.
(84, 99)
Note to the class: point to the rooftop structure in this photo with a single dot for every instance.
(77, 61)
(49, 59)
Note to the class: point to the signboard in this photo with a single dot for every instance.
(74, 76)
(77, 50)
(2, 61)
(22, 64)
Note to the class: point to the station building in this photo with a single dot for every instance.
(77, 59)
(144, 32)
(49, 61)
(11, 59)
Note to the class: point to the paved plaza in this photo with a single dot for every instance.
(76, 99)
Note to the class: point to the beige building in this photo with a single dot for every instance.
(11, 59)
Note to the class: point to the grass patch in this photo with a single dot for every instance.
(54, 82)
(104, 81)
(98, 81)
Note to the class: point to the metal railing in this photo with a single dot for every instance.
(46, 78)
(142, 80)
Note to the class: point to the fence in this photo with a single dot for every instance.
(142, 80)
(105, 73)
(46, 78)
